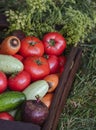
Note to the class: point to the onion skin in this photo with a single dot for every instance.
(34, 111)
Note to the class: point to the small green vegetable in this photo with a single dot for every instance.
(11, 100)
(37, 88)
(9, 64)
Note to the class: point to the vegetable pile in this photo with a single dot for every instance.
(76, 21)
(30, 69)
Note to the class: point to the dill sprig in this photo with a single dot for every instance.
(75, 20)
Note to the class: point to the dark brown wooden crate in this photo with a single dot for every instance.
(60, 96)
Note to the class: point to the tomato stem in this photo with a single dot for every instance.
(46, 56)
(38, 62)
(52, 42)
(33, 43)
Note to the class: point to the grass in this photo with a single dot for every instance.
(80, 110)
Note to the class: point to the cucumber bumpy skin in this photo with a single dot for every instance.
(10, 64)
(10, 100)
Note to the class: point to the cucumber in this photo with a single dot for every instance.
(37, 88)
(10, 64)
(18, 116)
(10, 100)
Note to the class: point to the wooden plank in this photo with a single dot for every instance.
(60, 90)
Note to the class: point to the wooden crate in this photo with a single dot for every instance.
(60, 96)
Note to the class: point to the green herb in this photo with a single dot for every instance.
(75, 20)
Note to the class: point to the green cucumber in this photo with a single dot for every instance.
(10, 100)
(37, 88)
(10, 64)
(18, 116)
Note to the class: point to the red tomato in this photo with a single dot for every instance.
(6, 116)
(19, 57)
(38, 67)
(62, 61)
(54, 43)
(31, 46)
(20, 81)
(3, 82)
(53, 63)
(61, 69)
